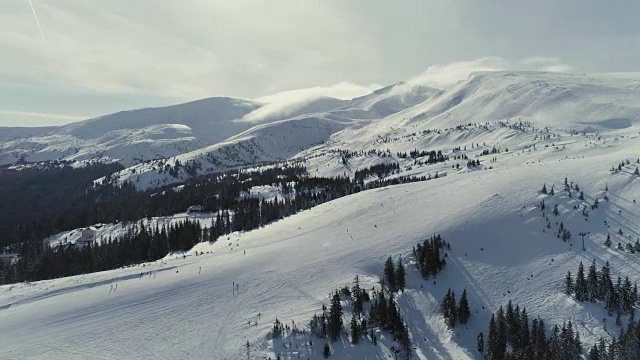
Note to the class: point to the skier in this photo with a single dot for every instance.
(233, 287)
(237, 290)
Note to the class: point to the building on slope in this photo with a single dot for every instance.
(195, 209)
(87, 237)
(8, 258)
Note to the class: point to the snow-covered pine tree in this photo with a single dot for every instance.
(449, 308)
(355, 330)
(607, 242)
(568, 284)
(592, 282)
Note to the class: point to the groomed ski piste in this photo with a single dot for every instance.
(184, 306)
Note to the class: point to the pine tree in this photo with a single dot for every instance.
(594, 354)
(493, 341)
(335, 317)
(404, 341)
(626, 297)
(580, 285)
(390, 275)
(524, 329)
(592, 282)
(607, 242)
(463, 308)
(326, 352)
(501, 323)
(568, 284)
(358, 298)
(480, 343)
(449, 308)
(400, 276)
(355, 330)
(544, 188)
(512, 324)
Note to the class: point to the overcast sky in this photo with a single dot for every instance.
(95, 57)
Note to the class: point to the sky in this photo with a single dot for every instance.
(67, 60)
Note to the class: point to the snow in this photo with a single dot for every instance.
(181, 307)
(499, 252)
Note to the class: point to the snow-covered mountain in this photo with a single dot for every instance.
(9, 133)
(220, 133)
(388, 100)
(587, 102)
(138, 135)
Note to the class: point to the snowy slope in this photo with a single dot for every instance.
(279, 140)
(388, 100)
(548, 99)
(501, 250)
(8, 133)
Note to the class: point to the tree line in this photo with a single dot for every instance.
(511, 336)
(620, 297)
(140, 244)
(111, 203)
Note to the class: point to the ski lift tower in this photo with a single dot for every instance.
(583, 234)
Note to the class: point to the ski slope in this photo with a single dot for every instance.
(183, 306)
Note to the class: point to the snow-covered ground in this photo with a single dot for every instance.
(181, 307)
(501, 249)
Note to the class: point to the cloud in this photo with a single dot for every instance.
(549, 64)
(445, 75)
(288, 102)
(184, 49)
(343, 90)
(26, 118)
